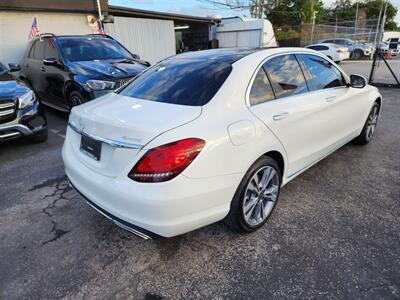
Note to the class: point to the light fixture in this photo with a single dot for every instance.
(181, 27)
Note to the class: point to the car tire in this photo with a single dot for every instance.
(248, 221)
(369, 126)
(357, 54)
(40, 137)
(76, 98)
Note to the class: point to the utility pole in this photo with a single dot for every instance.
(383, 23)
(377, 27)
(336, 27)
(356, 21)
(313, 26)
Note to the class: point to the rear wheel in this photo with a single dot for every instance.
(256, 196)
(357, 54)
(369, 127)
(75, 98)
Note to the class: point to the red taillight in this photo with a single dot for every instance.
(167, 161)
(340, 51)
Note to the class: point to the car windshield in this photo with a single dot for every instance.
(3, 69)
(92, 48)
(181, 81)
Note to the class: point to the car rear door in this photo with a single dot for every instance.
(35, 62)
(295, 115)
(53, 75)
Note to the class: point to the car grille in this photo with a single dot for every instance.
(7, 110)
(121, 82)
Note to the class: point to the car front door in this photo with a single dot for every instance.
(53, 74)
(340, 113)
(294, 116)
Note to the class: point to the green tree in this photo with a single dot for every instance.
(345, 10)
(294, 12)
(373, 7)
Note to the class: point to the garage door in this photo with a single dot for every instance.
(246, 38)
(153, 40)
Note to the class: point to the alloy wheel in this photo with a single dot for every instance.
(260, 195)
(371, 122)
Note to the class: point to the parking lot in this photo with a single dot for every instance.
(334, 234)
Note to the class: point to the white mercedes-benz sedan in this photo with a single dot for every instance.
(213, 135)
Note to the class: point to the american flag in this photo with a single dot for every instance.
(34, 30)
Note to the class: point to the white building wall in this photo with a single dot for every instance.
(152, 39)
(390, 34)
(15, 26)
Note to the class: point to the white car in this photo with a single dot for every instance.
(211, 135)
(386, 47)
(334, 52)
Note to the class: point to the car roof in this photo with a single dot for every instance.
(46, 35)
(323, 44)
(222, 55)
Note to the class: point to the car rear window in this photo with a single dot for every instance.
(184, 81)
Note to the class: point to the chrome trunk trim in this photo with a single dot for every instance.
(110, 142)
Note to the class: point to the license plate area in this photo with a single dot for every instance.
(91, 147)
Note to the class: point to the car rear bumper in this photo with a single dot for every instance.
(153, 209)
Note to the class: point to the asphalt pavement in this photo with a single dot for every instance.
(334, 234)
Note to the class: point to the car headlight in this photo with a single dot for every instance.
(26, 99)
(98, 85)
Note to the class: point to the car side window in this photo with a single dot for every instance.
(261, 90)
(320, 73)
(39, 50)
(50, 50)
(287, 79)
(32, 51)
(323, 48)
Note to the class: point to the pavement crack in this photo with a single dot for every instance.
(60, 189)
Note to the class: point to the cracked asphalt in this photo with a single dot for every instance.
(334, 234)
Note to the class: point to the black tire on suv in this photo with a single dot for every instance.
(76, 98)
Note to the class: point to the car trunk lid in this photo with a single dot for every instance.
(123, 125)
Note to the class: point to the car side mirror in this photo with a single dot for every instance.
(50, 61)
(14, 67)
(357, 81)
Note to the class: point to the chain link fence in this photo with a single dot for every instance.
(362, 31)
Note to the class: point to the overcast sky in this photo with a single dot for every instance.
(197, 7)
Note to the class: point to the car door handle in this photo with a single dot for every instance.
(280, 116)
(330, 99)
(43, 69)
